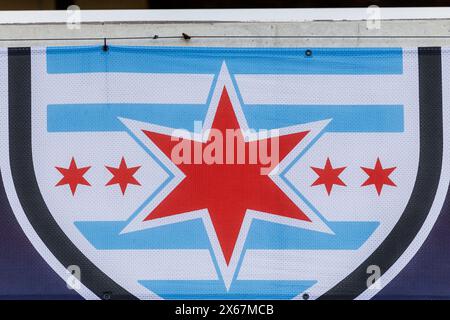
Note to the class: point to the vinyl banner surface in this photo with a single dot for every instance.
(222, 173)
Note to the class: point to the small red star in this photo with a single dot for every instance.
(328, 176)
(123, 175)
(73, 176)
(378, 176)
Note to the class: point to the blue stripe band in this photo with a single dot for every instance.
(104, 117)
(347, 235)
(105, 235)
(239, 60)
(345, 118)
(215, 289)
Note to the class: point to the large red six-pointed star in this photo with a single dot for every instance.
(123, 175)
(227, 190)
(378, 176)
(73, 176)
(328, 176)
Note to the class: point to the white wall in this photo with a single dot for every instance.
(271, 27)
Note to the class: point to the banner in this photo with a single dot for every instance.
(224, 173)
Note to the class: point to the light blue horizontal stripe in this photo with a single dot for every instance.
(208, 60)
(347, 236)
(215, 289)
(104, 117)
(345, 118)
(106, 235)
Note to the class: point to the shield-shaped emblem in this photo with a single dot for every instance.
(226, 173)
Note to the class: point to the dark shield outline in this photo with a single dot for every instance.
(27, 189)
(403, 233)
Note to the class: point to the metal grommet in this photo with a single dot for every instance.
(308, 53)
(107, 295)
(305, 296)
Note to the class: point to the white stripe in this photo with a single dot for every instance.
(129, 88)
(310, 89)
(254, 89)
(172, 264)
(290, 265)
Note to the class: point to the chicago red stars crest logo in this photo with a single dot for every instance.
(212, 173)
